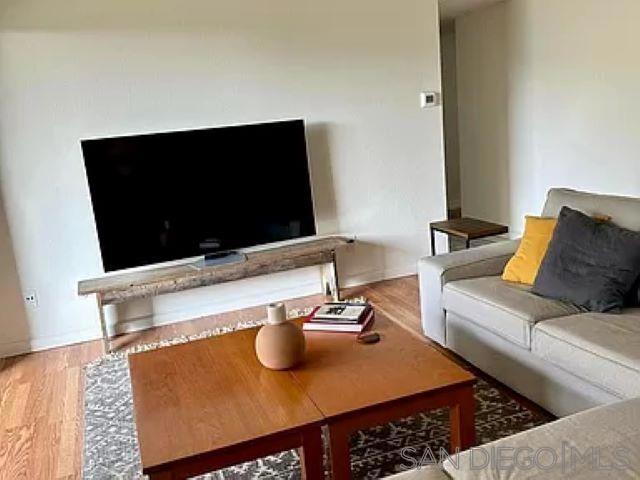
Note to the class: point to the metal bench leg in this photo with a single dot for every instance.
(330, 279)
(336, 282)
(106, 344)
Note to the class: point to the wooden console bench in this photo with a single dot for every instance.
(119, 288)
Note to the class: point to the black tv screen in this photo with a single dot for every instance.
(168, 196)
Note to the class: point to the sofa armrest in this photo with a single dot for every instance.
(435, 272)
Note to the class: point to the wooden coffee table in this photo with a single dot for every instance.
(208, 404)
(357, 386)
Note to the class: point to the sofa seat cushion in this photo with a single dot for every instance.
(507, 309)
(607, 436)
(603, 349)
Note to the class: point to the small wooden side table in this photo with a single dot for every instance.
(466, 228)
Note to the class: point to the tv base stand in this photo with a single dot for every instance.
(120, 288)
(221, 258)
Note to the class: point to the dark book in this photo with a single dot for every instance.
(310, 325)
(340, 312)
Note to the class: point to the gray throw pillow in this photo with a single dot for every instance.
(589, 263)
(633, 297)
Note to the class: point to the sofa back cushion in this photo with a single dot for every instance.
(589, 263)
(624, 211)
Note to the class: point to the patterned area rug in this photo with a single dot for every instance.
(111, 447)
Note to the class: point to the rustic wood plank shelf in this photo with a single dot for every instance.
(119, 288)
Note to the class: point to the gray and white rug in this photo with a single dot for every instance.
(111, 446)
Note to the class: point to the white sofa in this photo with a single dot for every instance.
(562, 358)
(600, 443)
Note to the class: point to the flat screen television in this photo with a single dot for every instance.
(167, 196)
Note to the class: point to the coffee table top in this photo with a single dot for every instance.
(342, 375)
(210, 394)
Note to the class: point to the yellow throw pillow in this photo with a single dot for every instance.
(523, 266)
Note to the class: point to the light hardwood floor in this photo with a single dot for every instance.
(41, 394)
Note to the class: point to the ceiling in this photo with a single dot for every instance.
(450, 9)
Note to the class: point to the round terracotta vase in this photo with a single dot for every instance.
(280, 343)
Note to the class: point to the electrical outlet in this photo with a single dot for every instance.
(429, 99)
(31, 299)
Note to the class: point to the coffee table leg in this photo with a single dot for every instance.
(462, 417)
(311, 454)
(340, 454)
(161, 476)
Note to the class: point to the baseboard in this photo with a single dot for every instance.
(244, 301)
(136, 324)
(302, 290)
(20, 347)
(371, 276)
(11, 349)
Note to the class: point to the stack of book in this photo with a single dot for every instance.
(340, 317)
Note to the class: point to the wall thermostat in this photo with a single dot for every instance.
(429, 99)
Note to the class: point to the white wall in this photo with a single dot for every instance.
(13, 319)
(450, 113)
(71, 69)
(548, 96)
(481, 49)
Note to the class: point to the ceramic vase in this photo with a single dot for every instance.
(279, 344)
